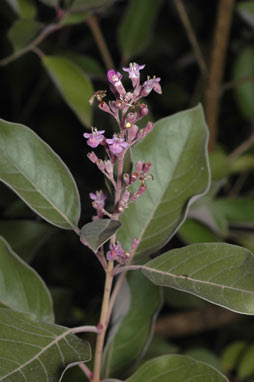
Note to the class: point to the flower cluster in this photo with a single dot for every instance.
(127, 109)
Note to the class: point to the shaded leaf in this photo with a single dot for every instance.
(181, 300)
(205, 355)
(89, 5)
(177, 368)
(51, 3)
(129, 344)
(246, 365)
(137, 26)
(87, 64)
(74, 18)
(36, 351)
(243, 68)
(220, 273)
(96, 233)
(25, 236)
(160, 346)
(74, 86)
(21, 288)
(14, 5)
(232, 354)
(27, 9)
(192, 232)
(246, 10)
(176, 147)
(23, 31)
(235, 211)
(39, 177)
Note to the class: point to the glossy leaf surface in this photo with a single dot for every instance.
(96, 233)
(21, 288)
(32, 350)
(177, 368)
(74, 86)
(220, 273)
(25, 236)
(39, 177)
(176, 147)
(135, 331)
(137, 26)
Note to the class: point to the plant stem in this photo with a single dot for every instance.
(103, 323)
(45, 33)
(99, 38)
(220, 42)
(192, 37)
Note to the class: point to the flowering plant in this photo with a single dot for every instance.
(156, 172)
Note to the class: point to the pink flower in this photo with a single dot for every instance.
(116, 253)
(94, 138)
(98, 199)
(116, 145)
(115, 79)
(133, 71)
(149, 85)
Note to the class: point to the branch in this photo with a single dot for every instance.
(220, 42)
(192, 37)
(32, 46)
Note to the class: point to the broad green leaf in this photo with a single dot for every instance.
(246, 10)
(25, 236)
(220, 273)
(181, 300)
(128, 343)
(176, 147)
(96, 233)
(74, 86)
(232, 354)
(192, 232)
(23, 31)
(27, 9)
(136, 27)
(243, 69)
(74, 18)
(177, 368)
(246, 365)
(89, 5)
(205, 355)
(21, 288)
(32, 350)
(39, 177)
(87, 64)
(160, 346)
(239, 211)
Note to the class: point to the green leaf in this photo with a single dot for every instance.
(22, 32)
(205, 355)
(192, 232)
(160, 346)
(25, 236)
(21, 288)
(14, 5)
(27, 9)
(220, 273)
(32, 350)
(243, 68)
(96, 233)
(238, 211)
(132, 330)
(177, 368)
(176, 147)
(246, 10)
(137, 26)
(181, 300)
(39, 177)
(51, 3)
(87, 64)
(232, 354)
(74, 86)
(89, 5)
(74, 18)
(246, 365)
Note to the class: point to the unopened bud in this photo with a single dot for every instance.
(109, 167)
(147, 167)
(93, 157)
(143, 111)
(140, 166)
(100, 164)
(131, 117)
(104, 106)
(126, 179)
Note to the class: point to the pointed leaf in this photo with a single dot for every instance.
(39, 177)
(32, 350)
(176, 147)
(137, 26)
(74, 86)
(220, 273)
(25, 236)
(128, 343)
(96, 233)
(21, 288)
(177, 368)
